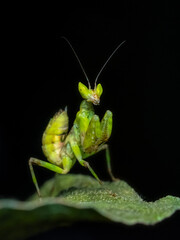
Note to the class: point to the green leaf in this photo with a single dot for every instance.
(78, 198)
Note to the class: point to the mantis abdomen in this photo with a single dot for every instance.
(54, 136)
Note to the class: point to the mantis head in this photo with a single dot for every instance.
(91, 95)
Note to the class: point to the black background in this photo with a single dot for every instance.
(141, 87)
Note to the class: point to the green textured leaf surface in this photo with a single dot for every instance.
(79, 198)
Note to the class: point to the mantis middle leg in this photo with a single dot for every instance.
(108, 160)
(78, 155)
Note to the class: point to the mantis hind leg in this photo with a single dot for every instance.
(67, 164)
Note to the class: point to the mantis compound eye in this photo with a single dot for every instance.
(84, 91)
(99, 90)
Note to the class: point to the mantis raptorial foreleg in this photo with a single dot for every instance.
(96, 134)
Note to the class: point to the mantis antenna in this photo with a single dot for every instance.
(89, 85)
(102, 68)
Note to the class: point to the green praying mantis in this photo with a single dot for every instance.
(87, 136)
